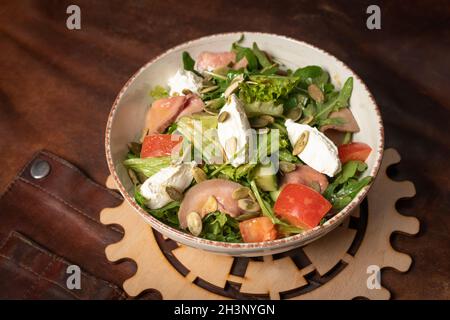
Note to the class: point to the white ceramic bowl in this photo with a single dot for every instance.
(126, 121)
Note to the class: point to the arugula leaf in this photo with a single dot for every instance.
(172, 128)
(227, 171)
(159, 92)
(345, 186)
(310, 109)
(167, 214)
(349, 170)
(147, 166)
(261, 56)
(347, 138)
(140, 200)
(267, 211)
(242, 52)
(219, 226)
(286, 155)
(189, 63)
(346, 194)
(336, 101)
(131, 155)
(244, 170)
(272, 69)
(134, 149)
(280, 126)
(331, 121)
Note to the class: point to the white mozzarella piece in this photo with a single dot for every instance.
(235, 127)
(154, 188)
(320, 153)
(184, 80)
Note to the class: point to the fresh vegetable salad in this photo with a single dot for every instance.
(238, 148)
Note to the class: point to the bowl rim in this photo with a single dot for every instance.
(188, 239)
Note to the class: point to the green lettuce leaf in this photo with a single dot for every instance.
(159, 92)
(266, 88)
(202, 136)
(147, 166)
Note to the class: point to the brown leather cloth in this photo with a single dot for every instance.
(51, 223)
(57, 87)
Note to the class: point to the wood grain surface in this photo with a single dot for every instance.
(57, 86)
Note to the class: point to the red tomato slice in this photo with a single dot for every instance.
(354, 151)
(158, 145)
(258, 230)
(301, 206)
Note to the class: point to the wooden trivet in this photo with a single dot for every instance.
(333, 267)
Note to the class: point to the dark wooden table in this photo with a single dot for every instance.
(57, 86)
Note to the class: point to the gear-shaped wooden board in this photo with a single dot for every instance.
(333, 267)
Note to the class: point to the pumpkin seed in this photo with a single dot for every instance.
(307, 120)
(210, 205)
(287, 167)
(269, 119)
(133, 177)
(141, 177)
(247, 216)
(233, 86)
(145, 133)
(248, 205)
(294, 114)
(174, 194)
(211, 112)
(199, 175)
(223, 116)
(315, 93)
(240, 193)
(212, 106)
(221, 71)
(252, 195)
(194, 223)
(258, 122)
(216, 75)
(301, 143)
(186, 92)
(231, 146)
(208, 89)
(315, 185)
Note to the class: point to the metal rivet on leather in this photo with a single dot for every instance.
(40, 169)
